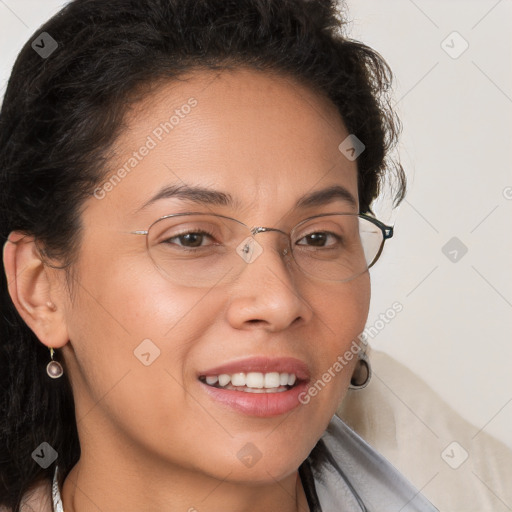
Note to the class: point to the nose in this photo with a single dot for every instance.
(266, 293)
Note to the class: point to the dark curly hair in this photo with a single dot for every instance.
(61, 114)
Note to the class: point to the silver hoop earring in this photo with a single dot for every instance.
(54, 368)
(362, 373)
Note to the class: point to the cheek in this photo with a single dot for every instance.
(128, 296)
(124, 318)
(132, 334)
(342, 311)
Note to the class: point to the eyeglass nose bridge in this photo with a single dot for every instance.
(261, 229)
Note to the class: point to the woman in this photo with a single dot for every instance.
(162, 350)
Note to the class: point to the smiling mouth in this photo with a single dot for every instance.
(252, 382)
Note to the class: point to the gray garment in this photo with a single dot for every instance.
(349, 476)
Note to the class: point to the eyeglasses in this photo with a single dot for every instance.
(199, 249)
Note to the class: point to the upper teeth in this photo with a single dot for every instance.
(253, 379)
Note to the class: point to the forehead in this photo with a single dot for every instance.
(263, 138)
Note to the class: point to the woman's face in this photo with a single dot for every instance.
(139, 341)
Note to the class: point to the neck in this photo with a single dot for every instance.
(107, 486)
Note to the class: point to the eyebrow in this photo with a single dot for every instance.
(201, 195)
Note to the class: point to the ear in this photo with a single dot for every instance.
(30, 287)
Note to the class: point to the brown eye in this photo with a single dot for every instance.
(318, 239)
(190, 239)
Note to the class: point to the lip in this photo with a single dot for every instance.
(262, 405)
(263, 365)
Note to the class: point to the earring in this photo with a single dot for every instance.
(362, 373)
(54, 368)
